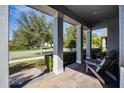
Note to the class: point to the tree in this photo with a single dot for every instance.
(33, 30)
(96, 41)
(49, 36)
(84, 38)
(70, 37)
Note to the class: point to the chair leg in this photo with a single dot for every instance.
(87, 67)
(97, 75)
(111, 75)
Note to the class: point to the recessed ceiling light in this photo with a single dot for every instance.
(95, 12)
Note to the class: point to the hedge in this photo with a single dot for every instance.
(49, 62)
(68, 57)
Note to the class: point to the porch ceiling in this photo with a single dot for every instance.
(90, 14)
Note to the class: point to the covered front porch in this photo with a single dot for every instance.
(86, 18)
(74, 76)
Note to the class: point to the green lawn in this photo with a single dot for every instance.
(28, 50)
(23, 50)
(23, 57)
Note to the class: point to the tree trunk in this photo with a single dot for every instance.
(51, 45)
(41, 50)
(71, 49)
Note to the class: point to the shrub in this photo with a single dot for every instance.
(49, 62)
(69, 57)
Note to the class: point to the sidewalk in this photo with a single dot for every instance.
(26, 59)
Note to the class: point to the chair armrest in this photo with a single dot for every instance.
(90, 63)
(99, 59)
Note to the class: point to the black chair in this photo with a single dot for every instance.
(102, 65)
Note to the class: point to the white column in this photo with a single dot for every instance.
(103, 44)
(88, 44)
(121, 45)
(79, 44)
(58, 44)
(4, 73)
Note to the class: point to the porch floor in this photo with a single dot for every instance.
(74, 76)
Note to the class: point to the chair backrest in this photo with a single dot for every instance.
(107, 61)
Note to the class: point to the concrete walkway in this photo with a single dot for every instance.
(26, 59)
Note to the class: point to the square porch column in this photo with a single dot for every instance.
(121, 45)
(88, 44)
(4, 69)
(58, 43)
(79, 44)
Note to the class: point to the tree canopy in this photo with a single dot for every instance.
(33, 31)
(70, 37)
(96, 41)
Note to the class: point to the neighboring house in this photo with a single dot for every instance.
(104, 41)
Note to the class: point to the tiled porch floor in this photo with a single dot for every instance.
(73, 77)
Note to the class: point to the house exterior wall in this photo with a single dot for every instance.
(113, 34)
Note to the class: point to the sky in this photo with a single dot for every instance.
(99, 32)
(14, 12)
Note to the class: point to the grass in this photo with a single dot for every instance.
(23, 50)
(28, 50)
(23, 57)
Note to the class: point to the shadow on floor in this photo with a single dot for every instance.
(27, 80)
